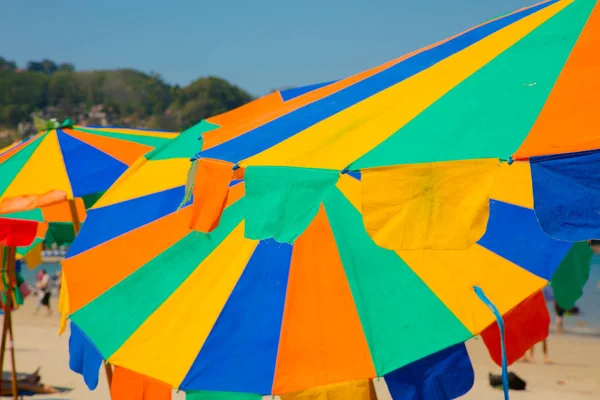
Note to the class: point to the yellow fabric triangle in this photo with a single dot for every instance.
(44, 171)
(443, 205)
(33, 258)
(513, 184)
(145, 178)
(357, 390)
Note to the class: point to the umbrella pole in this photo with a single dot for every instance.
(76, 228)
(109, 374)
(7, 325)
(12, 357)
(3, 348)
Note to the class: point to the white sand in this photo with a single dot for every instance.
(573, 375)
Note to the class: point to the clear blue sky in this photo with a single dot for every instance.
(257, 44)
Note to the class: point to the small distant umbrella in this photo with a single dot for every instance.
(76, 161)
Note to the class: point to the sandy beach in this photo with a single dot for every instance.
(38, 345)
(574, 374)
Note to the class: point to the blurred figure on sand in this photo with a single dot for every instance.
(530, 357)
(560, 312)
(44, 288)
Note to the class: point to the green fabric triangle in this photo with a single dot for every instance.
(189, 183)
(205, 395)
(28, 215)
(571, 276)
(185, 145)
(91, 199)
(281, 201)
(61, 233)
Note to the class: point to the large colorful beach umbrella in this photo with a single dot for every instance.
(345, 125)
(219, 312)
(75, 161)
(156, 205)
(427, 132)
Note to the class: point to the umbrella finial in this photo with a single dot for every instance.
(67, 123)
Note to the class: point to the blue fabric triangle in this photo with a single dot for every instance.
(105, 223)
(566, 190)
(84, 359)
(515, 245)
(445, 375)
(89, 169)
(240, 353)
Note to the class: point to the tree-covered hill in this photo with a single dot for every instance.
(113, 97)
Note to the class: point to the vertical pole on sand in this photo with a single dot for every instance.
(7, 331)
(4, 320)
(12, 278)
(76, 228)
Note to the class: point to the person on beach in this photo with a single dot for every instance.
(529, 356)
(560, 312)
(44, 287)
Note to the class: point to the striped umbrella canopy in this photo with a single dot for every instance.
(144, 211)
(220, 312)
(429, 132)
(163, 173)
(73, 161)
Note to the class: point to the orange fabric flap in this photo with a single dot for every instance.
(129, 385)
(61, 212)
(211, 187)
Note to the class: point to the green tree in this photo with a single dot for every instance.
(66, 67)
(129, 97)
(6, 65)
(64, 91)
(206, 97)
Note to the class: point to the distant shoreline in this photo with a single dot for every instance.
(52, 259)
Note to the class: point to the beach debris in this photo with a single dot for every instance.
(514, 381)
